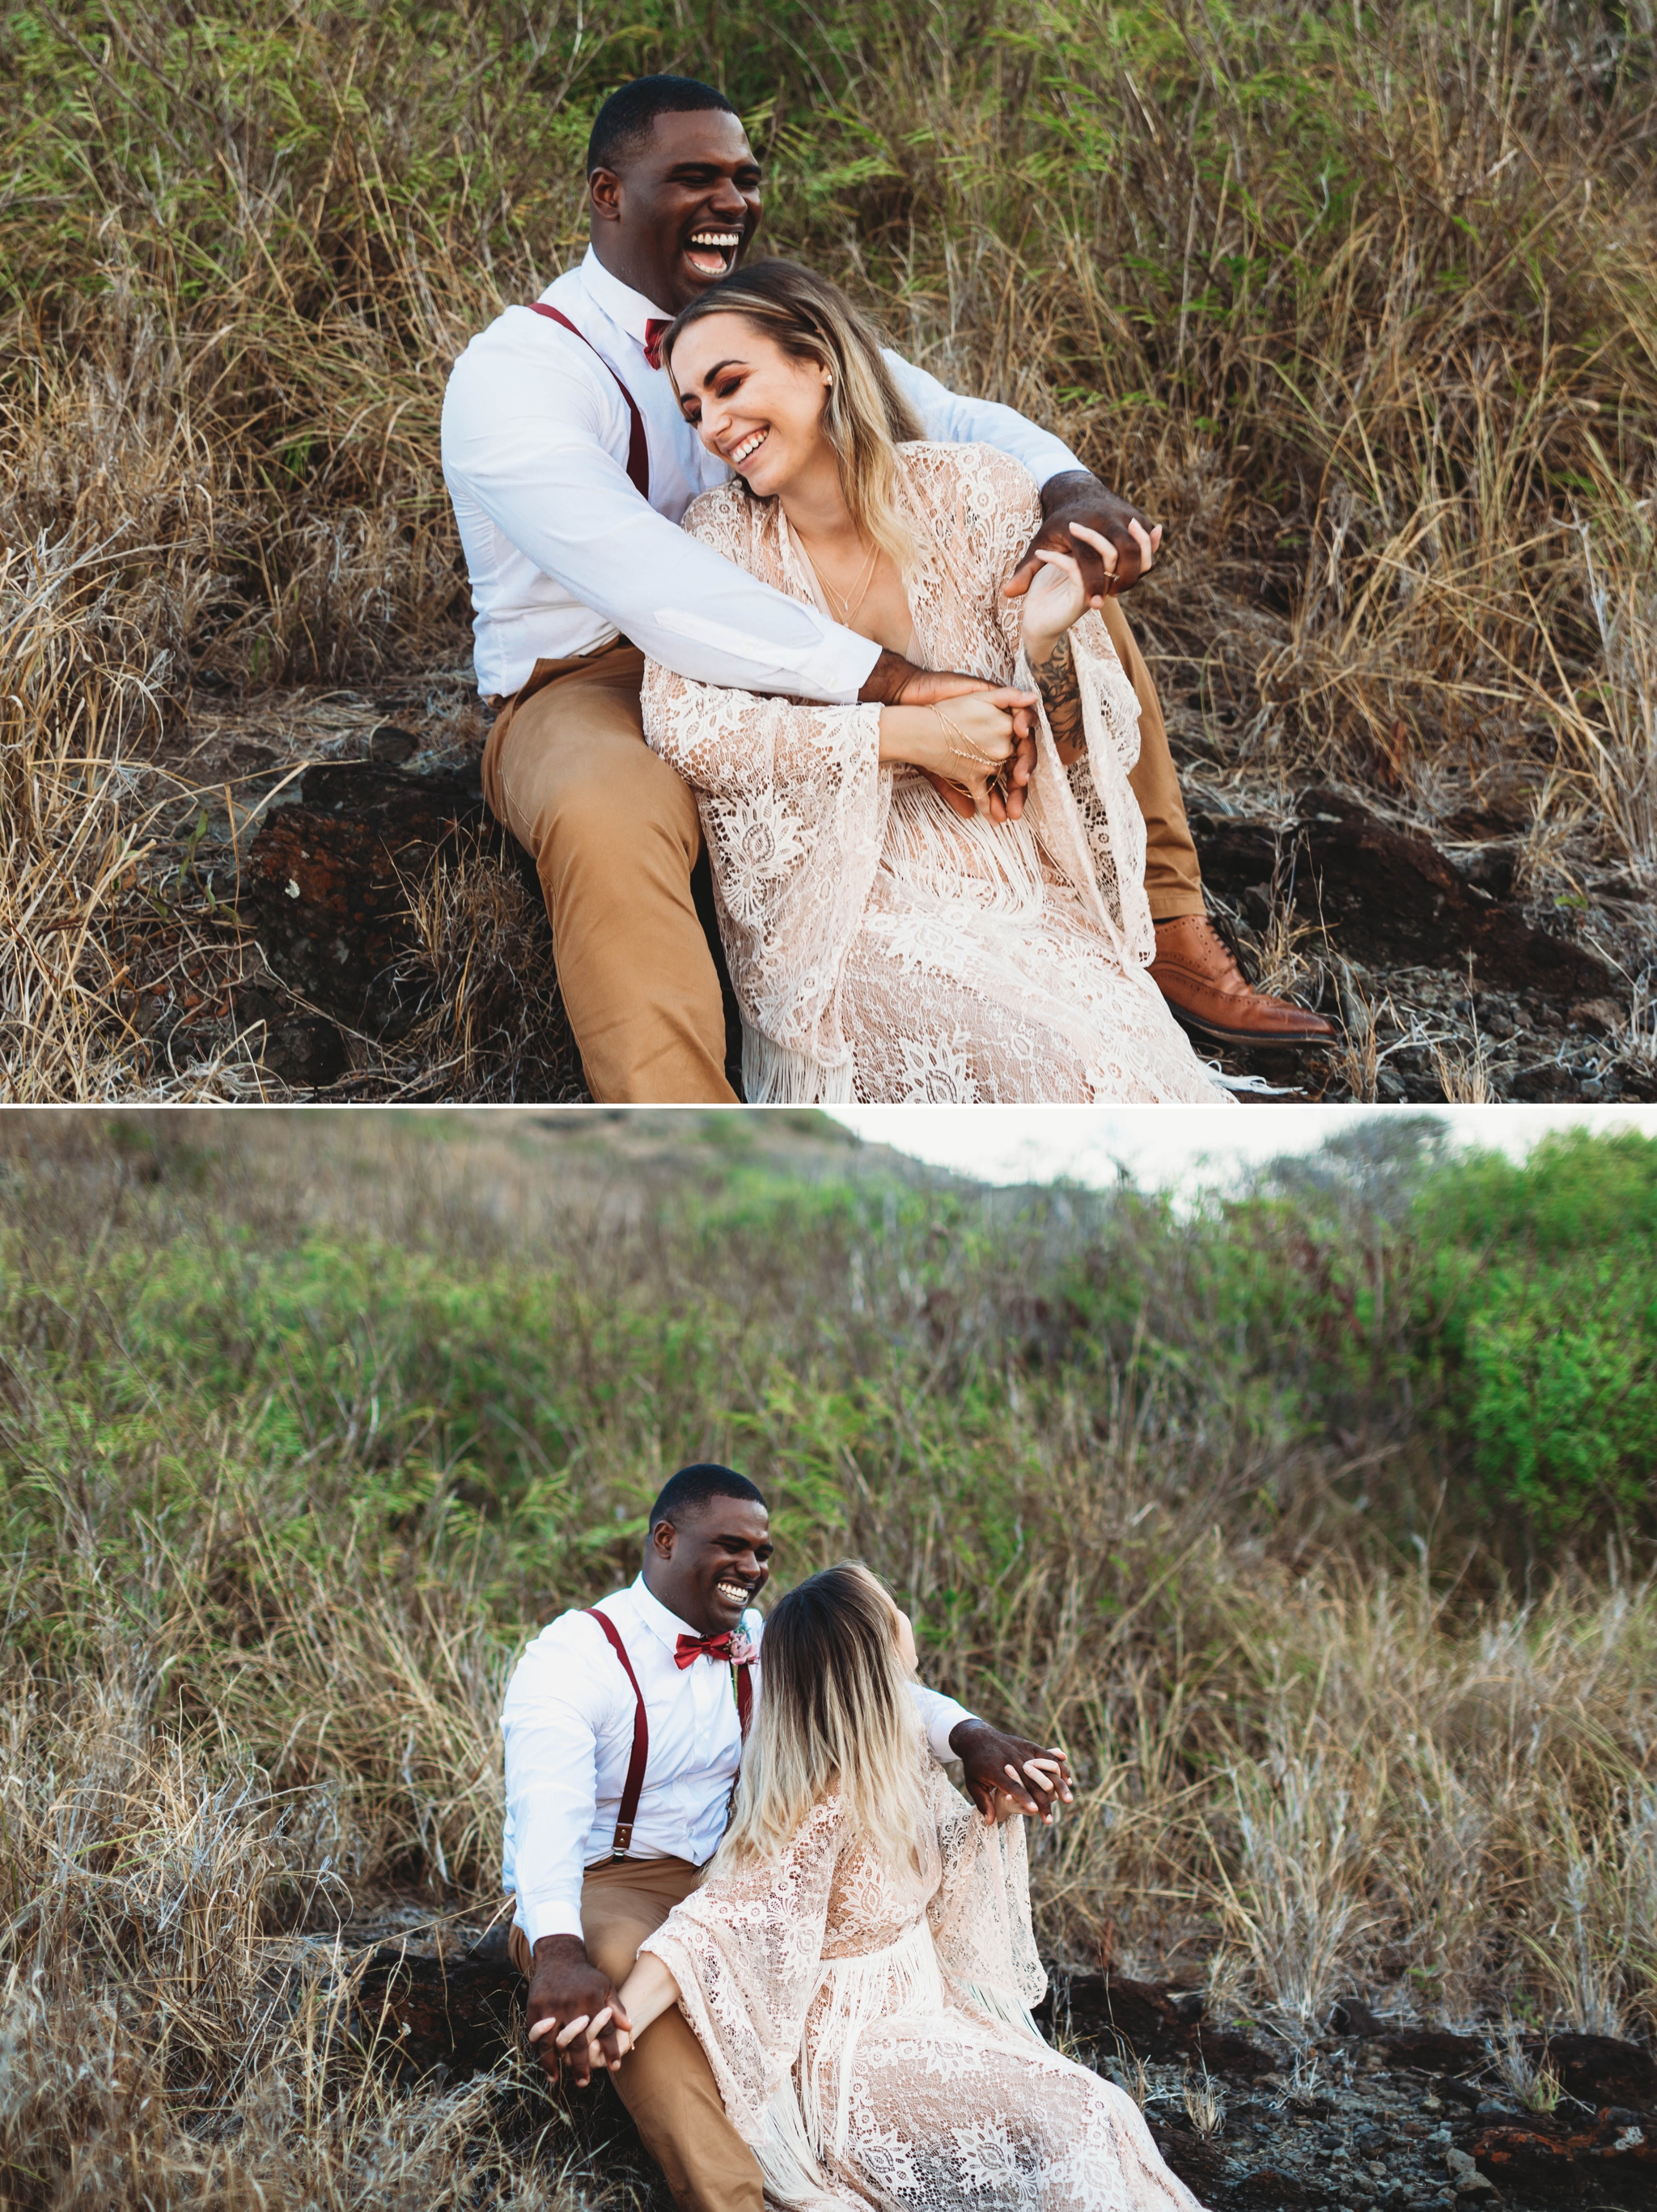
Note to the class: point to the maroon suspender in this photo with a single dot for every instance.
(635, 1768)
(638, 456)
(628, 1812)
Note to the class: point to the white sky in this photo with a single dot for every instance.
(1177, 1146)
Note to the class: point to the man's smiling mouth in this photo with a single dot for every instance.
(733, 1593)
(751, 444)
(711, 251)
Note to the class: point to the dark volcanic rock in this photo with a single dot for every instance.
(1602, 2069)
(1392, 899)
(1112, 2011)
(1435, 2051)
(1545, 2160)
(329, 880)
(1351, 2016)
(458, 2014)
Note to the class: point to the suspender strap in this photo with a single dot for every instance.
(638, 469)
(636, 1771)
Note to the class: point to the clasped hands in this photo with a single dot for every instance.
(581, 2022)
(974, 741)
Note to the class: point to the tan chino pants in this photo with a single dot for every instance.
(665, 2082)
(614, 835)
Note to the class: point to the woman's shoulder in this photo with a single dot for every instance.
(975, 479)
(728, 513)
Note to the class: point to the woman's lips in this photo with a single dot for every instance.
(746, 446)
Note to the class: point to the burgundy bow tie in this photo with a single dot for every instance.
(689, 1649)
(654, 329)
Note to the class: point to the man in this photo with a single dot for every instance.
(569, 464)
(624, 1737)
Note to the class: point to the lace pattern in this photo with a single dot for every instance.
(880, 948)
(871, 2036)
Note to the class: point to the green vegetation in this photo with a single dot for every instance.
(305, 1422)
(1358, 299)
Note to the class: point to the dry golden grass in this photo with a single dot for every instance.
(1360, 302)
(262, 1595)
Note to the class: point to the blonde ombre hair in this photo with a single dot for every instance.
(864, 414)
(836, 1712)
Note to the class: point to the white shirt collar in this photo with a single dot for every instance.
(626, 307)
(655, 1615)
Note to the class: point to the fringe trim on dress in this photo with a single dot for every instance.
(879, 1986)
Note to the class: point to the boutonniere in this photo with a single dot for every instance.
(741, 1647)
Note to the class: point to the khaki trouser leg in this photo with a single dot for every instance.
(614, 835)
(665, 2083)
(1174, 880)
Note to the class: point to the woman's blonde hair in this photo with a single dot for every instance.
(836, 1712)
(864, 414)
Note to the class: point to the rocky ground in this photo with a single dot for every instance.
(327, 911)
(1375, 2110)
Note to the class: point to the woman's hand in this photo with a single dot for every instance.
(1059, 597)
(970, 742)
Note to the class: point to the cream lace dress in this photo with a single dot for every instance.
(882, 949)
(871, 2038)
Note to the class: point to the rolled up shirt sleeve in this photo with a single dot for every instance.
(551, 1778)
(555, 490)
(954, 420)
(938, 1716)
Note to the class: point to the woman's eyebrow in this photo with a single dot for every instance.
(719, 368)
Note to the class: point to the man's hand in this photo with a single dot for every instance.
(894, 682)
(1075, 497)
(1010, 1765)
(566, 1988)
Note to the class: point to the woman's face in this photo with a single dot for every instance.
(755, 406)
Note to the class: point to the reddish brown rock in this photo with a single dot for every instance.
(329, 881)
(1389, 898)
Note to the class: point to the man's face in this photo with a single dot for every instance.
(682, 211)
(710, 1565)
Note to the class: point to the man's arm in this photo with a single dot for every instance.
(552, 1789)
(527, 432)
(1070, 493)
(991, 1759)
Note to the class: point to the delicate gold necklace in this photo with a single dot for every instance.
(848, 608)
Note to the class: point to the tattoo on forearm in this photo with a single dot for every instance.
(1061, 694)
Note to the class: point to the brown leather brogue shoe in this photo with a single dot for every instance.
(1196, 974)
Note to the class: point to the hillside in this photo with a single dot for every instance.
(1357, 302)
(1316, 1523)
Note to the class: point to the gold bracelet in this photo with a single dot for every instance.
(997, 774)
(955, 731)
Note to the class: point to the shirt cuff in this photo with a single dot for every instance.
(942, 1715)
(841, 667)
(549, 1915)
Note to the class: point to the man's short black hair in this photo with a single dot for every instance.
(691, 1488)
(627, 118)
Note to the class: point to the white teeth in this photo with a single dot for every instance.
(713, 238)
(748, 446)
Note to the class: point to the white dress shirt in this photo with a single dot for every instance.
(562, 553)
(569, 1726)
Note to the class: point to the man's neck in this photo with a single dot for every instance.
(635, 280)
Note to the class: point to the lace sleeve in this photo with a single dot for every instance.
(980, 1914)
(746, 1950)
(793, 805)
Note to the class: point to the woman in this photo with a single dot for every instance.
(859, 1963)
(882, 948)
